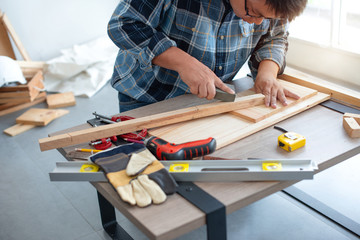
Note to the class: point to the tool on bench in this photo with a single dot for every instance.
(114, 119)
(103, 143)
(88, 150)
(162, 149)
(207, 170)
(290, 141)
(224, 96)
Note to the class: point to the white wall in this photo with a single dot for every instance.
(47, 26)
(331, 64)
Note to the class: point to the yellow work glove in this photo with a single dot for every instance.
(139, 180)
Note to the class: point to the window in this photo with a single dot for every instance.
(334, 24)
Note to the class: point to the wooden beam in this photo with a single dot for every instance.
(6, 48)
(336, 92)
(152, 121)
(38, 65)
(15, 38)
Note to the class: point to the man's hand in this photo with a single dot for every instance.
(200, 79)
(267, 84)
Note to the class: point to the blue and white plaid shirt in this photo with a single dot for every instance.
(207, 30)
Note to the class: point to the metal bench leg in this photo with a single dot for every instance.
(108, 219)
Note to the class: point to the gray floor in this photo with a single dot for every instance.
(32, 207)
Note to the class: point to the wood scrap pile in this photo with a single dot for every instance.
(16, 95)
(19, 96)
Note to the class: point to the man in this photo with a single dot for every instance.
(172, 47)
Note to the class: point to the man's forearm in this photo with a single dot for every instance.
(173, 58)
(268, 67)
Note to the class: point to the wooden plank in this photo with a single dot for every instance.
(351, 124)
(36, 85)
(17, 94)
(352, 115)
(21, 87)
(260, 112)
(152, 121)
(61, 100)
(337, 92)
(13, 107)
(37, 65)
(5, 44)
(15, 100)
(15, 38)
(18, 128)
(7, 105)
(40, 116)
(218, 126)
(351, 127)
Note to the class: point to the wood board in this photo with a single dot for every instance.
(227, 128)
(40, 116)
(13, 107)
(260, 112)
(17, 129)
(61, 100)
(337, 92)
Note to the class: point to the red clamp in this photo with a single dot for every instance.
(103, 143)
(130, 136)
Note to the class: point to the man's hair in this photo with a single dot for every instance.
(287, 8)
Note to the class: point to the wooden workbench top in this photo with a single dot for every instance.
(327, 144)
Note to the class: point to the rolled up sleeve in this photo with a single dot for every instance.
(132, 28)
(272, 46)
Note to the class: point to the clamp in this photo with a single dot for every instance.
(103, 143)
(127, 136)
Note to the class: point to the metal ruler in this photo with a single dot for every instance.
(203, 170)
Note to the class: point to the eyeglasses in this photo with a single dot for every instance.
(249, 15)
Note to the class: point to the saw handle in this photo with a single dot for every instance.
(164, 150)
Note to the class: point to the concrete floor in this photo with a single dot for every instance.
(34, 208)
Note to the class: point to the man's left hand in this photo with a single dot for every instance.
(267, 84)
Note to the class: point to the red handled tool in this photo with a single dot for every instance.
(127, 136)
(103, 143)
(164, 150)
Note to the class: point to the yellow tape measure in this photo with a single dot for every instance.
(290, 141)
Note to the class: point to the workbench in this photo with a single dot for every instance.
(327, 144)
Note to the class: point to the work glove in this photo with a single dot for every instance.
(138, 177)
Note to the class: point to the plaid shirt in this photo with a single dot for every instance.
(207, 30)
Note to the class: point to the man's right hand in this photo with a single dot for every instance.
(201, 80)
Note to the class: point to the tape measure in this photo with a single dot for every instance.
(290, 141)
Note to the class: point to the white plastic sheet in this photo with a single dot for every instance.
(10, 72)
(83, 69)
